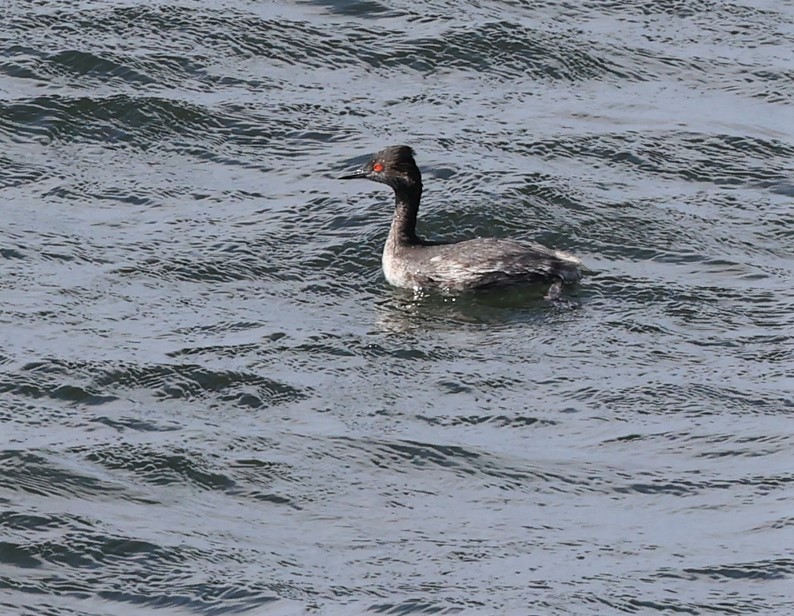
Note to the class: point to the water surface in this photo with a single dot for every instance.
(211, 401)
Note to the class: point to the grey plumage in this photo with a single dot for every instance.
(481, 263)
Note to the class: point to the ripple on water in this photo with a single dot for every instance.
(96, 384)
(211, 401)
(166, 572)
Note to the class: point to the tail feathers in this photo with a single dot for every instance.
(568, 267)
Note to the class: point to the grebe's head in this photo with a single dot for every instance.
(394, 166)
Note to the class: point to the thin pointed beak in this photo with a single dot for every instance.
(356, 175)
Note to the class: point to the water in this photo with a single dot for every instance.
(213, 404)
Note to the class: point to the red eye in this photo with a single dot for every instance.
(377, 167)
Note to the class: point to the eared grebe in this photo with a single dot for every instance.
(482, 263)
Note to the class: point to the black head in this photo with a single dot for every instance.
(394, 166)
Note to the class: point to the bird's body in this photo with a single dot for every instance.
(481, 263)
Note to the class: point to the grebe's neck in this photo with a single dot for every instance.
(406, 208)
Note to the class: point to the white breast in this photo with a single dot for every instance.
(394, 273)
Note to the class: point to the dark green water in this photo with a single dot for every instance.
(212, 403)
